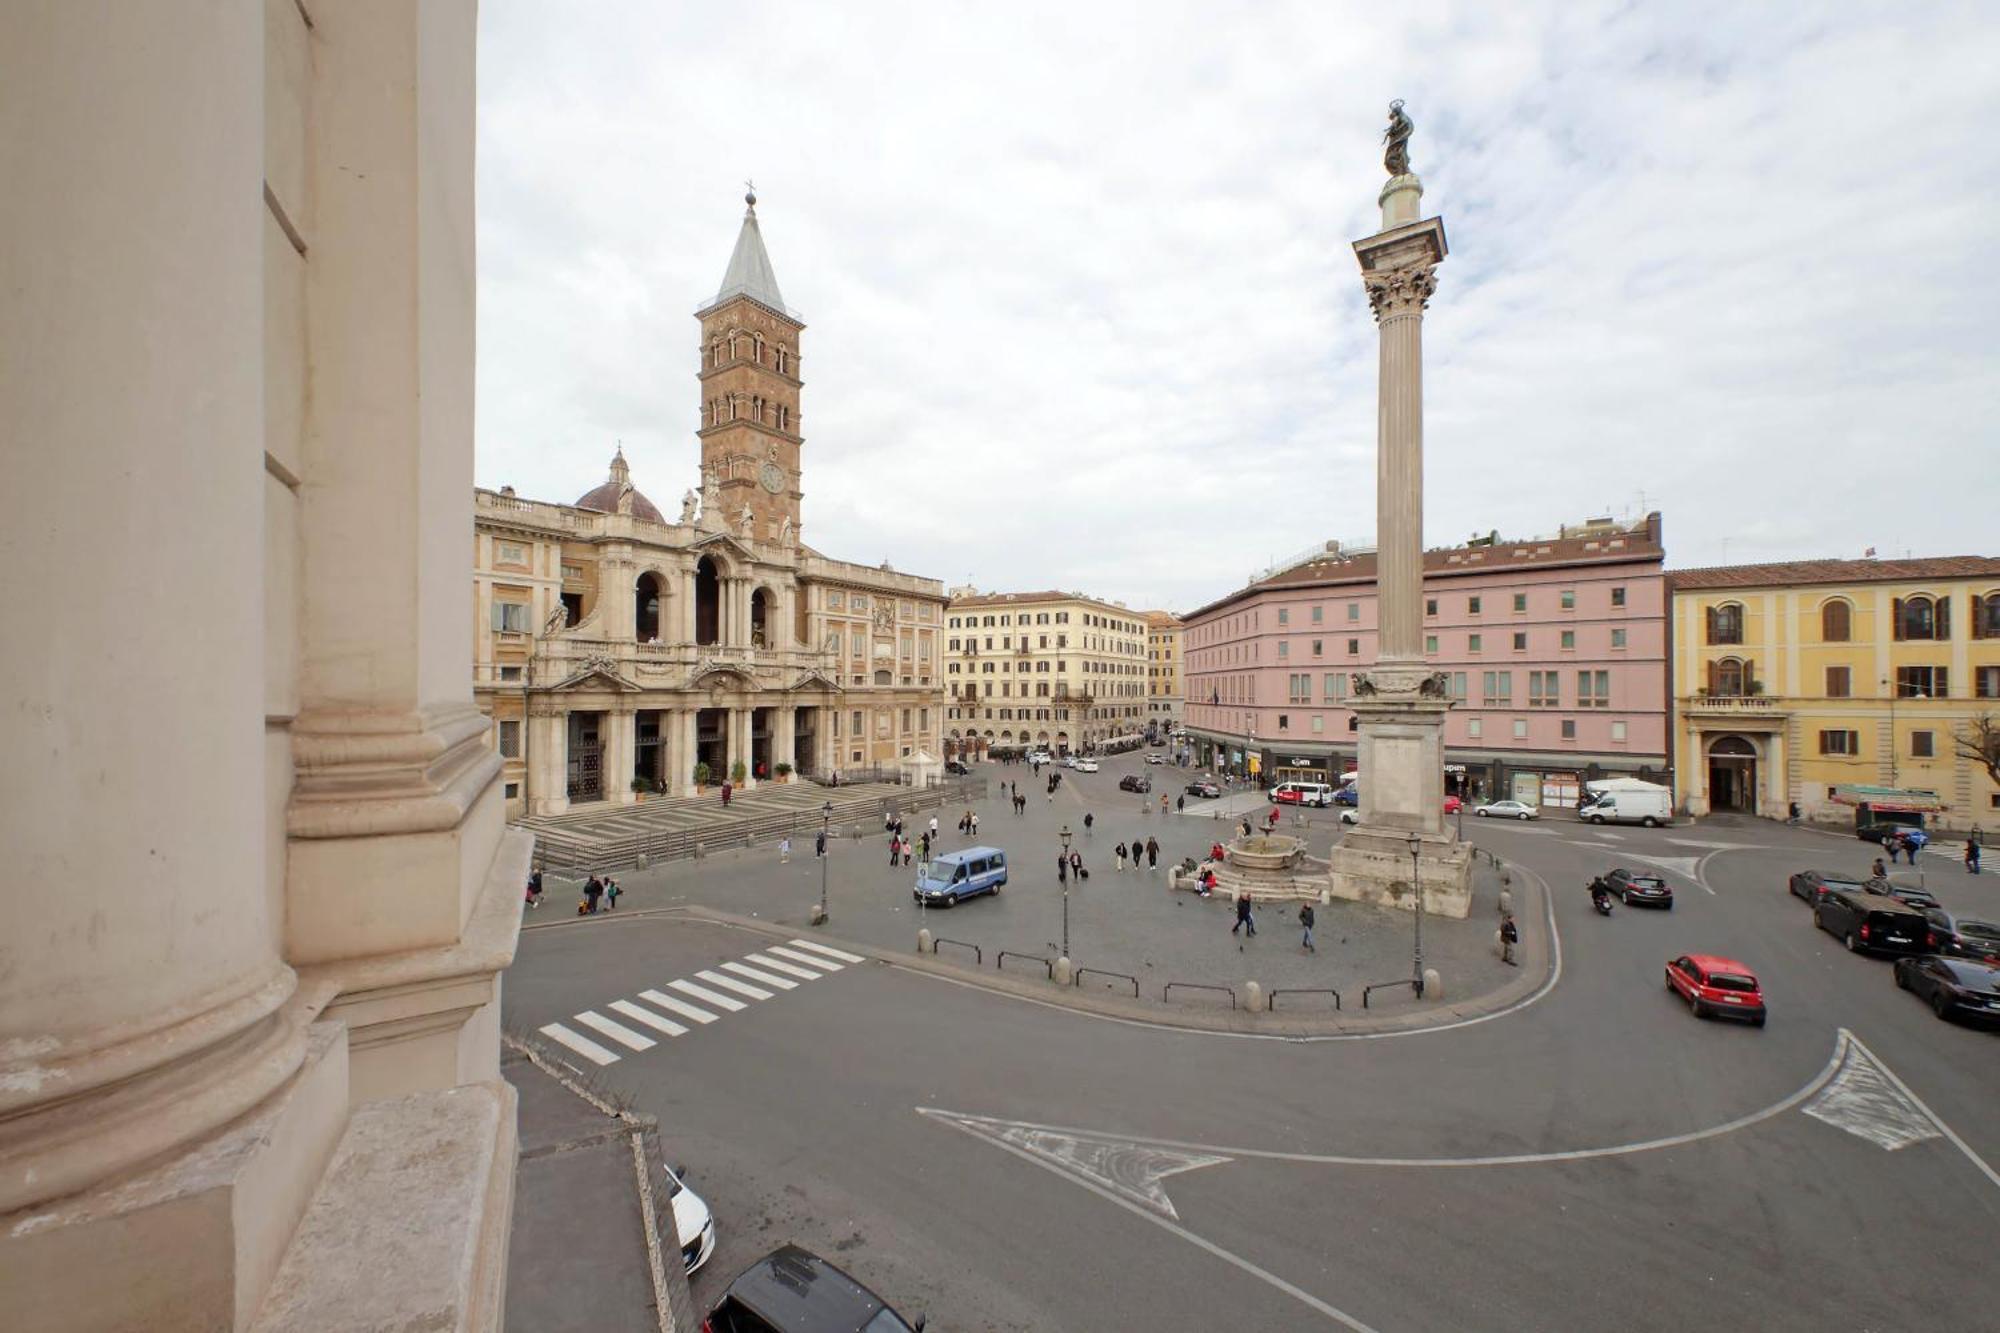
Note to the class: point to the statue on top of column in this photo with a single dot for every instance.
(1397, 137)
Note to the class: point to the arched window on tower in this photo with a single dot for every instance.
(757, 350)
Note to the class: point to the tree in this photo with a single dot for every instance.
(1979, 741)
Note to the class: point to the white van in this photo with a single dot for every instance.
(1302, 793)
(1651, 808)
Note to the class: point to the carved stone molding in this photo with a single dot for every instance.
(1401, 291)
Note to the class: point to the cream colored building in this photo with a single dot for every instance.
(1166, 701)
(1812, 680)
(1054, 669)
(250, 987)
(622, 653)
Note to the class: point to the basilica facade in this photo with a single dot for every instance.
(622, 653)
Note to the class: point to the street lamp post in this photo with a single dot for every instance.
(1416, 850)
(826, 852)
(1065, 891)
(1889, 685)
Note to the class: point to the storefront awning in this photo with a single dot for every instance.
(1900, 799)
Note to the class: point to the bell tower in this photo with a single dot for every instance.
(750, 435)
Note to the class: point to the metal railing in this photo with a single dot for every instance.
(1100, 972)
(978, 956)
(1048, 964)
(1166, 992)
(1272, 1002)
(1414, 983)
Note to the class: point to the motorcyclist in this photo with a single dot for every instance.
(1600, 893)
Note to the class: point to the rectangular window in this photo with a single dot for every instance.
(1430, 643)
(513, 790)
(1544, 689)
(1986, 682)
(1593, 689)
(1354, 610)
(1617, 731)
(1617, 597)
(857, 719)
(1569, 639)
(1521, 642)
(510, 673)
(1618, 637)
(1319, 615)
(510, 617)
(1474, 728)
(1569, 729)
(1496, 689)
(1284, 615)
(1284, 722)
(1353, 647)
(510, 740)
(510, 553)
(1284, 648)
(1839, 683)
(1319, 723)
(1839, 742)
(1520, 601)
(1520, 728)
(861, 604)
(1569, 599)
(1922, 682)
(1430, 606)
(1319, 647)
(1922, 744)
(1473, 643)
(1333, 685)
(1458, 685)
(1472, 606)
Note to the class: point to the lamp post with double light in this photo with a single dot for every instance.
(825, 853)
(1065, 890)
(1417, 885)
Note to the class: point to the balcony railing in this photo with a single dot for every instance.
(1732, 703)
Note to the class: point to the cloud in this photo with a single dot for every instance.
(1083, 308)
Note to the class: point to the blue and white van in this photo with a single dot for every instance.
(962, 874)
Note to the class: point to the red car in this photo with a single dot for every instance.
(1451, 804)
(1716, 987)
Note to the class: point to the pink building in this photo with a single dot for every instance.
(1553, 647)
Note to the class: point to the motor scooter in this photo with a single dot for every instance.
(1600, 898)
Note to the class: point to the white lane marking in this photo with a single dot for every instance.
(582, 1045)
(706, 995)
(829, 951)
(761, 978)
(731, 983)
(673, 1006)
(647, 1017)
(1299, 1294)
(1935, 1119)
(770, 964)
(1825, 1075)
(807, 958)
(618, 1032)
(1131, 1170)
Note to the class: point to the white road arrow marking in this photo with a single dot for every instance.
(1862, 1099)
(1132, 1171)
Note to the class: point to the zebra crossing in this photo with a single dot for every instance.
(696, 1000)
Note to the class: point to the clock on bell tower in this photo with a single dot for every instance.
(750, 434)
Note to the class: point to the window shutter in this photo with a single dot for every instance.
(495, 608)
(1896, 618)
(1976, 626)
(1711, 639)
(1714, 671)
(1943, 619)
(1749, 676)
(1940, 682)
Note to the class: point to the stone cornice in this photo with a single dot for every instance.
(364, 773)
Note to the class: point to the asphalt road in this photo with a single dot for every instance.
(998, 1164)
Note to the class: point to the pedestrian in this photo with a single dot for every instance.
(1076, 864)
(819, 843)
(1062, 867)
(1971, 857)
(1244, 921)
(895, 851)
(908, 851)
(975, 823)
(1152, 853)
(611, 892)
(535, 889)
(1246, 828)
(593, 889)
(1510, 935)
(1088, 820)
(1792, 813)
(1180, 804)
(726, 788)
(1121, 858)
(1306, 920)
(932, 834)
(1163, 803)
(784, 851)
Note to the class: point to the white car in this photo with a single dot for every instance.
(1506, 810)
(693, 1223)
(1038, 756)
(1156, 759)
(1069, 761)
(1085, 765)
(1349, 815)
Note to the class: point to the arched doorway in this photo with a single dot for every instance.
(1732, 775)
(760, 617)
(648, 601)
(707, 603)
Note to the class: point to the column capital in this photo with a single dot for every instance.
(1402, 292)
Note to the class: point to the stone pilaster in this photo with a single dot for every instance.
(618, 752)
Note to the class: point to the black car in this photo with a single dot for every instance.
(791, 1290)
(1640, 889)
(1204, 787)
(1910, 895)
(1869, 922)
(1811, 885)
(1881, 830)
(1962, 937)
(1138, 782)
(1952, 985)
(956, 769)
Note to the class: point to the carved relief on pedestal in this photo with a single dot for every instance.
(1404, 682)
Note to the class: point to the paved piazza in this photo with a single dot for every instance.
(1581, 1155)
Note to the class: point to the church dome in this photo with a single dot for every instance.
(604, 499)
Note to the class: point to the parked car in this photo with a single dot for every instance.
(1640, 889)
(1452, 805)
(1812, 885)
(1038, 756)
(1156, 758)
(1910, 895)
(1507, 810)
(1348, 795)
(1717, 987)
(1207, 788)
(1963, 986)
(793, 1290)
(1961, 936)
(1085, 766)
(1350, 815)
(693, 1222)
(956, 876)
(1880, 826)
(1068, 761)
(1138, 782)
(1868, 922)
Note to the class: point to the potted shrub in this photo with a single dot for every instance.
(738, 772)
(784, 772)
(641, 787)
(701, 776)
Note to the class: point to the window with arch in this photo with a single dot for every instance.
(1725, 623)
(1986, 615)
(1729, 677)
(1836, 621)
(1922, 617)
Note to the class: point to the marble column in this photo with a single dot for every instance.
(738, 748)
(618, 752)
(784, 735)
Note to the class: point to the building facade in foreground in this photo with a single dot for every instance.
(620, 652)
(1054, 669)
(1811, 680)
(1553, 649)
(250, 1020)
(1165, 705)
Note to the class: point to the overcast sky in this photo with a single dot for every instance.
(1083, 310)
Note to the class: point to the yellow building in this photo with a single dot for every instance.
(1793, 681)
(1053, 669)
(1164, 696)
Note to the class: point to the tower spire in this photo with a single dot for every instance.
(749, 272)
